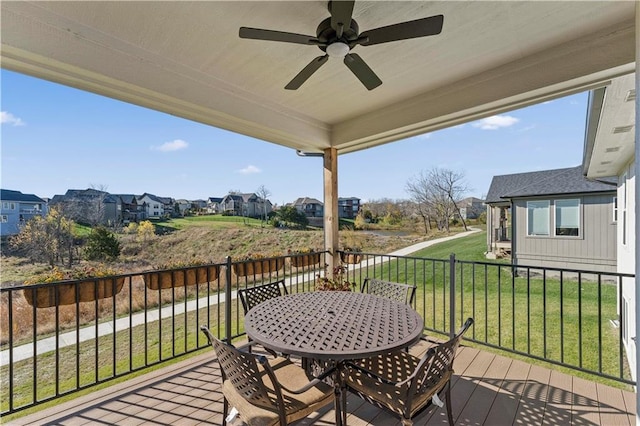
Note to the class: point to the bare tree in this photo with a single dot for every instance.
(87, 206)
(436, 193)
(452, 186)
(419, 191)
(263, 193)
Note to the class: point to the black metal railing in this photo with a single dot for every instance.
(62, 337)
(58, 338)
(567, 317)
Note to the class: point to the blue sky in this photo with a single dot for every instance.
(56, 138)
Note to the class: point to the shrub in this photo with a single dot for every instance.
(55, 274)
(146, 231)
(102, 245)
(131, 228)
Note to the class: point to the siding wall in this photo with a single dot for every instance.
(594, 249)
(627, 261)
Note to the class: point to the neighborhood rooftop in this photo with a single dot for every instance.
(546, 182)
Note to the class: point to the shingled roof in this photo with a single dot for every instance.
(10, 195)
(547, 182)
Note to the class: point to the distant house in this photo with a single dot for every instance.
(91, 206)
(248, 205)
(17, 208)
(214, 205)
(609, 151)
(152, 205)
(130, 211)
(183, 206)
(169, 206)
(553, 218)
(311, 207)
(231, 204)
(199, 205)
(348, 208)
(471, 207)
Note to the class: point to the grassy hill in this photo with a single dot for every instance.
(211, 238)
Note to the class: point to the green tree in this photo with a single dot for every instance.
(46, 239)
(102, 245)
(291, 216)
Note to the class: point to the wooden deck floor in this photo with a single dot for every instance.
(488, 389)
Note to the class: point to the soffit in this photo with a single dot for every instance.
(186, 59)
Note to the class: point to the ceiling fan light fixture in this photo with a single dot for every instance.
(337, 50)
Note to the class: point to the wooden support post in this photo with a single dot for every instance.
(331, 221)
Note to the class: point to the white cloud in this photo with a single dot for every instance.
(424, 136)
(495, 122)
(175, 145)
(249, 170)
(8, 118)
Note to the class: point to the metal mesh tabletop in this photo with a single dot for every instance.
(333, 325)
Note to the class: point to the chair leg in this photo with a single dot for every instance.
(225, 411)
(448, 393)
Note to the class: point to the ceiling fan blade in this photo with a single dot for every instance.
(260, 34)
(362, 71)
(306, 72)
(341, 12)
(404, 30)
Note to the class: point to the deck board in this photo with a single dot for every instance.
(486, 389)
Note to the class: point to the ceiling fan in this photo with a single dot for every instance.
(339, 34)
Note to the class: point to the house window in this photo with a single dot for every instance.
(4, 218)
(568, 217)
(615, 209)
(538, 218)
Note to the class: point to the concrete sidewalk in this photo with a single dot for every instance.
(414, 248)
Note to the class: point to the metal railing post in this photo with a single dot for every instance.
(227, 302)
(452, 295)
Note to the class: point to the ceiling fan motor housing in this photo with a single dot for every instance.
(327, 35)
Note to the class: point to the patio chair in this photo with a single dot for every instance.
(403, 293)
(404, 384)
(253, 296)
(266, 391)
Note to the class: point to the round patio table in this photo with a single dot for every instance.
(336, 326)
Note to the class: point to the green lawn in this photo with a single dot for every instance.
(214, 221)
(540, 316)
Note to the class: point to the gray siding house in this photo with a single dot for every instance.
(16, 208)
(554, 218)
(90, 206)
(311, 207)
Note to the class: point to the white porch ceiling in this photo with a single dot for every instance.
(186, 59)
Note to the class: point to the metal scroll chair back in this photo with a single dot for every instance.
(403, 293)
(404, 384)
(266, 392)
(436, 366)
(241, 369)
(253, 296)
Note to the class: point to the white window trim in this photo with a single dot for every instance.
(548, 234)
(555, 219)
